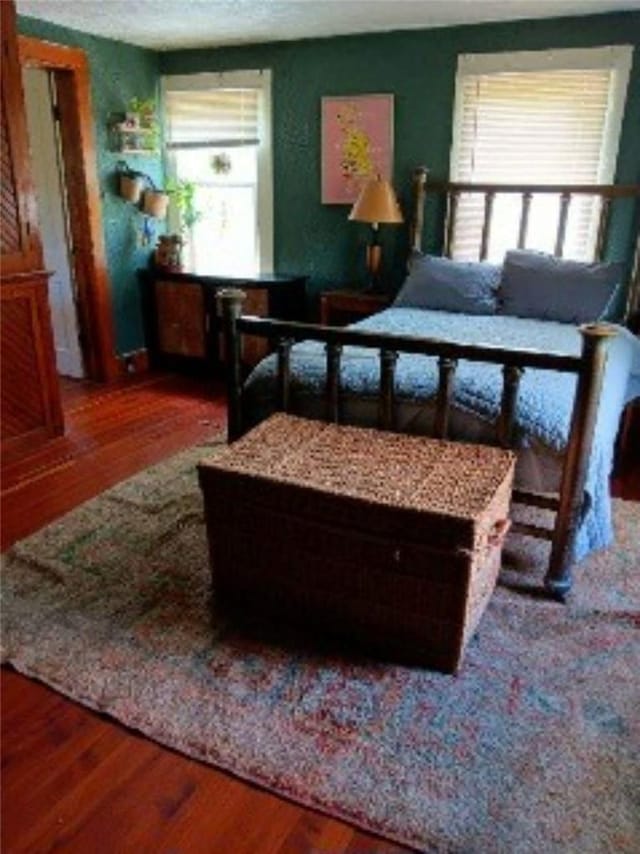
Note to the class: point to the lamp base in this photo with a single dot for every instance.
(374, 257)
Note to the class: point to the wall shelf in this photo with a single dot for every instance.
(139, 139)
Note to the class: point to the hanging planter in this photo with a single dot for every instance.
(140, 190)
(155, 203)
(131, 187)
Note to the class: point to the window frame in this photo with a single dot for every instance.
(259, 79)
(618, 58)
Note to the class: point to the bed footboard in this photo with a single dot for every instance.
(595, 338)
(589, 367)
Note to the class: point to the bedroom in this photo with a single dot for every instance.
(303, 72)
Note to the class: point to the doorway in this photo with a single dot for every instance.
(68, 86)
(47, 171)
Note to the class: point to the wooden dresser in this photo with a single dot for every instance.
(183, 323)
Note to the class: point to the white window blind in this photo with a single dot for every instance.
(528, 125)
(212, 118)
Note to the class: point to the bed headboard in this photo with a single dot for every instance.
(451, 191)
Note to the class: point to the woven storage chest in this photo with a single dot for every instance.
(388, 540)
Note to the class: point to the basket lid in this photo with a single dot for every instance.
(414, 472)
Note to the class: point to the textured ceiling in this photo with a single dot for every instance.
(167, 24)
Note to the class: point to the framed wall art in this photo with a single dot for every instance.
(357, 144)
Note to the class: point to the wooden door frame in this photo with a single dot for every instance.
(71, 75)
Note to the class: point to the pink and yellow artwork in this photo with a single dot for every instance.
(357, 144)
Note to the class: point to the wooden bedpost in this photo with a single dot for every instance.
(230, 301)
(419, 183)
(632, 307)
(595, 337)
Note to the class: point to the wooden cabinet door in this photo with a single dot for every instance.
(19, 237)
(30, 394)
(252, 348)
(256, 303)
(180, 316)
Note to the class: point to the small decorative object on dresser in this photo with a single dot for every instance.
(338, 308)
(168, 252)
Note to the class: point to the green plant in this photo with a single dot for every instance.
(151, 139)
(146, 109)
(182, 195)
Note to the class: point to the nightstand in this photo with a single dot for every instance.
(339, 308)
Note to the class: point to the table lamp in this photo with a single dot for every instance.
(376, 203)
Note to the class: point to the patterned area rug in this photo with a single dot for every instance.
(529, 748)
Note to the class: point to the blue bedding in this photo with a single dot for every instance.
(544, 404)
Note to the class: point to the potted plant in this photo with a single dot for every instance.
(182, 194)
(141, 119)
(182, 200)
(142, 112)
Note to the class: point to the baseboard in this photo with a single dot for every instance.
(134, 362)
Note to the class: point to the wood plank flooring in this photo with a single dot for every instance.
(112, 432)
(73, 780)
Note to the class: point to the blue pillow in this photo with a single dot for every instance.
(460, 286)
(538, 285)
(614, 310)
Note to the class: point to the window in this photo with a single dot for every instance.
(544, 117)
(219, 138)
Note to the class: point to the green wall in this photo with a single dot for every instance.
(419, 68)
(118, 73)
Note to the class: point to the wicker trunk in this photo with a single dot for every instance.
(391, 541)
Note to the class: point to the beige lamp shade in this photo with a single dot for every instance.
(376, 203)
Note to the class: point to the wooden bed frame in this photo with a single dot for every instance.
(589, 366)
(452, 190)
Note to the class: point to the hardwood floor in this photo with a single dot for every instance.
(73, 780)
(111, 433)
